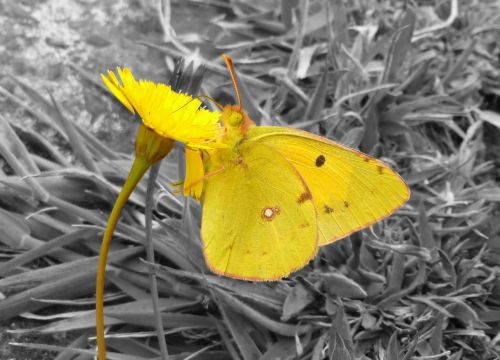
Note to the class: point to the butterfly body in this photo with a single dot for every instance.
(236, 124)
(250, 208)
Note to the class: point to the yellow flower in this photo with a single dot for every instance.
(166, 116)
(172, 115)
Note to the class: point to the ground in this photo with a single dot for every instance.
(431, 266)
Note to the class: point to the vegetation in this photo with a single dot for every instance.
(414, 83)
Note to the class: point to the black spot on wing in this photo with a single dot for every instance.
(327, 209)
(320, 161)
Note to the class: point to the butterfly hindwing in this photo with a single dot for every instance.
(350, 189)
(259, 222)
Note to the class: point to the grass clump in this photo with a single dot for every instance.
(416, 86)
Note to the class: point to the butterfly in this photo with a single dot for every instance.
(272, 195)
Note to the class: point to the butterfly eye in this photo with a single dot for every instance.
(235, 118)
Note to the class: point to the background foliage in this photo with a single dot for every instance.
(414, 83)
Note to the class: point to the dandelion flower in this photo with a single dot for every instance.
(166, 116)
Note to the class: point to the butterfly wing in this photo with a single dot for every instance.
(350, 190)
(259, 222)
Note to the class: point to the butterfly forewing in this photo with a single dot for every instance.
(259, 222)
(350, 189)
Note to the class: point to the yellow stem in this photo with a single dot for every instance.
(139, 168)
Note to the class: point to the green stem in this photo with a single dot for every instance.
(153, 283)
(139, 168)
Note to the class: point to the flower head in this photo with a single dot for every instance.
(166, 112)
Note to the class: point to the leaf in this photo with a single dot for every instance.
(411, 348)
(37, 141)
(393, 347)
(305, 59)
(417, 177)
(20, 169)
(371, 131)
(15, 231)
(317, 102)
(110, 355)
(68, 355)
(399, 47)
(426, 236)
(489, 316)
(239, 331)
(298, 298)
(287, 8)
(340, 22)
(274, 295)
(74, 139)
(396, 274)
(353, 137)
(170, 320)
(84, 321)
(11, 141)
(436, 338)
(66, 287)
(456, 69)
(319, 347)
(431, 303)
(369, 322)
(337, 284)
(340, 344)
(448, 267)
(50, 114)
(59, 271)
(490, 117)
(419, 279)
(280, 328)
(225, 338)
(392, 128)
(405, 249)
(464, 312)
(129, 288)
(283, 349)
(37, 114)
(49, 247)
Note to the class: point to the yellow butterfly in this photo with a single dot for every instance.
(272, 195)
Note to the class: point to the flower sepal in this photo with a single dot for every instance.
(151, 146)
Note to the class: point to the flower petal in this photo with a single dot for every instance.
(115, 88)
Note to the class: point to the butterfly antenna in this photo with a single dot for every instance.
(230, 66)
(216, 103)
(183, 106)
(198, 98)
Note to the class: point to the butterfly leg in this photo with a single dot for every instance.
(195, 182)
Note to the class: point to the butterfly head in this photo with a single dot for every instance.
(234, 117)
